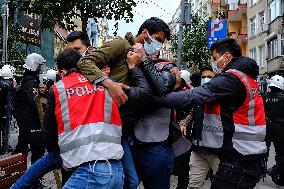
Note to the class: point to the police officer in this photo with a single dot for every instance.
(274, 109)
(6, 93)
(25, 111)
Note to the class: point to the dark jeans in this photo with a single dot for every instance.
(131, 180)
(154, 164)
(181, 169)
(237, 175)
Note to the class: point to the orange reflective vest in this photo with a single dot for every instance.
(249, 122)
(89, 125)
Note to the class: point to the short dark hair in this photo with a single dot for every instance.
(196, 79)
(204, 68)
(68, 59)
(227, 45)
(155, 25)
(79, 35)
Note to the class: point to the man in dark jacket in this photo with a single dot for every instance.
(25, 110)
(152, 33)
(238, 114)
(274, 109)
(6, 95)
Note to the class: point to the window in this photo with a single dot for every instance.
(282, 44)
(274, 9)
(272, 48)
(252, 27)
(261, 17)
(252, 53)
(261, 56)
(252, 2)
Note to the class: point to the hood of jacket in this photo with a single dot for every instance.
(244, 64)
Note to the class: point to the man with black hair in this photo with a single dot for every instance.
(236, 119)
(151, 35)
(79, 41)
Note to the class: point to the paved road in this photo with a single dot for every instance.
(50, 181)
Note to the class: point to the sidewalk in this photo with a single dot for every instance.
(50, 181)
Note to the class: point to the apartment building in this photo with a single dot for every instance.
(201, 7)
(257, 32)
(275, 37)
(235, 11)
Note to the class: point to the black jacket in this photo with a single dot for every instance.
(161, 80)
(6, 95)
(226, 89)
(24, 107)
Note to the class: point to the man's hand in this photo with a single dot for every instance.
(133, 59)
(116, 91)
(182, 127)
(176, 72)
(139, 48)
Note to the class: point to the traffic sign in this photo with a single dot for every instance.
(216, 30)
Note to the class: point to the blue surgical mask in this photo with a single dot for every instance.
(152, 48)
(214, 65)
(205, 80)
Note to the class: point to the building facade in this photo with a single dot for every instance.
(235, 11)
(257, 33)
(275, 37)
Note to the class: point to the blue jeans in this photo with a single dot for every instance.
(37, 170)
(131, 180)
(154, 164)
(99, 174)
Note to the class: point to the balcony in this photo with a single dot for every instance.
(242, 38)
(243, 5)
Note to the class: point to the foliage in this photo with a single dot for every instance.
(63, 12)
(195, 49)
(16, 54)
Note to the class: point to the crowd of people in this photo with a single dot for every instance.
(119, 115)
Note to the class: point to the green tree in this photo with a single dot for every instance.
(62, 12)
(195, 49)
(16, 54)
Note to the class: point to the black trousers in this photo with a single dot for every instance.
(237, 175)
(37, 147)
(277, 138)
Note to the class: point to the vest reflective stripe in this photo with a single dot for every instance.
(64, 106)
(249, 120)
(212, 132)
(85, 134)
(89, 125)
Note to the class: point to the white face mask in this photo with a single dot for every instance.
(152, 48)
(205, 80)
(214, 65)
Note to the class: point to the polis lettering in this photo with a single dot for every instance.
(83, 90)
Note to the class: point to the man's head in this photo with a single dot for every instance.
(79, 41)
(67, 60)
(206, 74)
(223, 51)
(152, 33)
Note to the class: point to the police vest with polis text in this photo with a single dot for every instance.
(89, 125)
(249, 122)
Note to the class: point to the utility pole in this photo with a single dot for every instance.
(5, 16)
(185, 20)
(180, 35)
